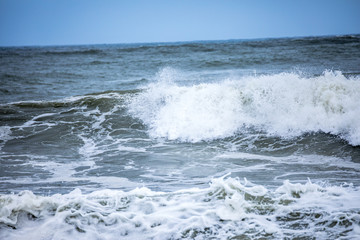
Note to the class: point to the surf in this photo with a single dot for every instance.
(227, 206)
(283, 104)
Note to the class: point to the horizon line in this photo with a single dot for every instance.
(180, 41)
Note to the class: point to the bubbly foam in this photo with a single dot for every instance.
(228, 207)
(285, 104)
(5, 135)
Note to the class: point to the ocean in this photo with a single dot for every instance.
(236, 139)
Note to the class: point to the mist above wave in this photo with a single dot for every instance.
(284, 104)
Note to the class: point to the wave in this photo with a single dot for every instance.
(284, 104)
(237, 44)
(228, 207)
(74, 52)
(342, 39)
(93, 99)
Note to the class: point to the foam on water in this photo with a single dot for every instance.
(295, 159)
(5, 135)
(285, 105)
(227, 208)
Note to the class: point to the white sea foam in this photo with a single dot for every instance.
(303, 159)
(227, 208)
(285, 105)
(89, 148)
(5, 135)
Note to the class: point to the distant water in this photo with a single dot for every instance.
(240, 139)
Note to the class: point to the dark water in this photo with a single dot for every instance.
(217, 139)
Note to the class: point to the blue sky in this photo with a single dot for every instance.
(62, 22)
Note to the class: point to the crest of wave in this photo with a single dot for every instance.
(285, 104)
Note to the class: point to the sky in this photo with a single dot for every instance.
(68, 22)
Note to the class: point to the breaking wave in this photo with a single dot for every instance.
(228, 207)
(285, 105)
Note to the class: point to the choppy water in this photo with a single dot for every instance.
(197, 140)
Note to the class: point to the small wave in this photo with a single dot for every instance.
(97, 62)
(285, 105)
(135, 48)
(228, 207)
(12, 77)
(74, 52)
(344, 39)
(170, 48)
(94, 99)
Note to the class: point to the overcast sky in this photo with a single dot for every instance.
(59, 22)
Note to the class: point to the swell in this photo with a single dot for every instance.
(93, 99)
(81, 112)
(345, 39)
(67, 128)
(74, 52)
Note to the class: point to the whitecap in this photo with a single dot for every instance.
(285, 105)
